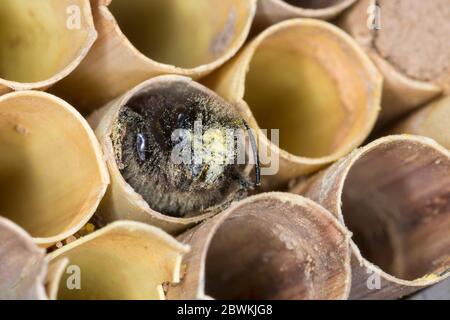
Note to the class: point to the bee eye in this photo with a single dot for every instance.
(141, 146)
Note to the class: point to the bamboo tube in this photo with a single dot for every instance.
(432, 121)
(141, 39)
(41, 42)
(55, 273)
(22, 265)
(440, 291)
(126, 260)
(269, 246)
(272, 11)
(136, 132)
(411, 34)
(393, 195)
(52, 173)
(312, 82)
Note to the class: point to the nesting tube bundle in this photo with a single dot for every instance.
(273, 11)
(431, 121)
(211, 149)
(22, 264)
(311, 81)
(141, 39)
(393, 195)
(43, 41)
(269, 246)
(166, 148)
(126, 260)
(52, 172)
(408, 41)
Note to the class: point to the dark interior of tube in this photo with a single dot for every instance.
(183, 33)
(396, 201)
(262, 252)
(314, 4)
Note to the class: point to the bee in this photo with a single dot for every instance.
(185, 150)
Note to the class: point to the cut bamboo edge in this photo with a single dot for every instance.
(122, 201)
(47, 145)
(335, 59)
(67, 46)
(148, 257)
(115, 64)
(268, 246)
(432, 121)
(401, 93)
(404, 232)
(23, 264)
(125, 260)
(273, 11)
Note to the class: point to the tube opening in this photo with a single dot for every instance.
(183, 33)
(50, 179)
(35, 40)
(183, 149)
(308, 83)
(396, 201)
(121, 264)
(314, 4)
(270, 250)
